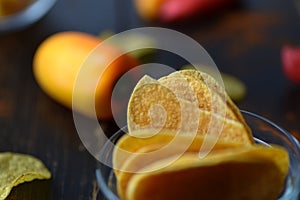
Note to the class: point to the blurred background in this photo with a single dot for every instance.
(245, 39)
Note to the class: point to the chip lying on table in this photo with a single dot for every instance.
(19, 168)
(171, 122)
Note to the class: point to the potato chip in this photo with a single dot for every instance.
(146, 94)
(234, 87)
(244, 173)
(19, 168)
(214, 87)
(132, 163)
(168, 104)
(169, 121)
(127, 144)
(230, 122)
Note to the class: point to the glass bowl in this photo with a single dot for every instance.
(264, 131)
(26, 16)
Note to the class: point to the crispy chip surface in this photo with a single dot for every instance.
(253, 173)
(184, 101)
(200, 78)
(19, 168)
(146, 151)
(185, 111)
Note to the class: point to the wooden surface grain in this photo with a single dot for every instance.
(245, 42)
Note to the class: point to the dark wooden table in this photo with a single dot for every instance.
(245, 41)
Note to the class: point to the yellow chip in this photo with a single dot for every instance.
(185, 109)
(182, 103)
(215, 87)
(142, 152)
(253, 173)
(128, 145)
(152, 106)
(234, 87)
(19, 168)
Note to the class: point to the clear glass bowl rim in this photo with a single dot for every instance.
(25, 17)
(106, 191)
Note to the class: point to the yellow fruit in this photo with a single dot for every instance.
(148, 9)
(58, 60)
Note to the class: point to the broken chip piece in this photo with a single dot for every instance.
(18, 168)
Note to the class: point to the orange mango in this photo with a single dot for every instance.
(59, 59)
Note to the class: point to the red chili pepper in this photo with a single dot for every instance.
(291, 63)
(176, 10)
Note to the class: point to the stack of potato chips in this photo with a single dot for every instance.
(188, 140)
